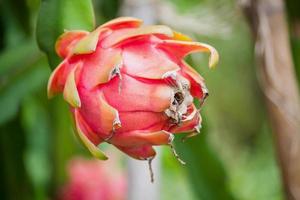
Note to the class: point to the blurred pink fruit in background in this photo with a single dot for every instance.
(91, 179)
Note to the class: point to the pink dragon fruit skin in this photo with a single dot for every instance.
(128, 85)
(90, 180)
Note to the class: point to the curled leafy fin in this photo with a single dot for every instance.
(124, 22)
(181, 36)
(141, 31)
(93, 149)
(109, 116)
(67, 40)
(110, 69)
(70, 90)
(55, 84)
(142, 137)
(183, 48)
(89, 43)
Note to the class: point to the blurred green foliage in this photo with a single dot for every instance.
(236, 125)
(232, 158)
(55, 16)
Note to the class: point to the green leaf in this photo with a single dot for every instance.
(108, 9)
(94, 150)
(14, 59)
(15, 183)
(36, 123)
(58, 15)
(206, 172)
(20, 12)
(62, 141)
(29, 79)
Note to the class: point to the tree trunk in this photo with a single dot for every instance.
(279, 84)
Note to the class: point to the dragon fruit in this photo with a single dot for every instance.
(90, 180)
(128, 85)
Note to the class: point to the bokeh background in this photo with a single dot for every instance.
(232, 158)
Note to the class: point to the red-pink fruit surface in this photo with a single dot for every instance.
(128, 85)
(91, 180)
